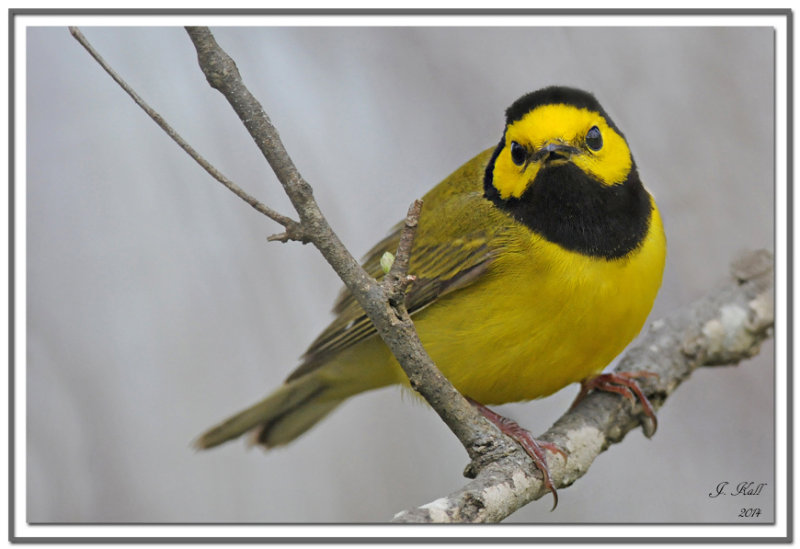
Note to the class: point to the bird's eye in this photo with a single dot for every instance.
(594, 140)
(518, 153)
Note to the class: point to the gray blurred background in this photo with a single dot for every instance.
(156, 307)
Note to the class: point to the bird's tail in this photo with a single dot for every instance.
(307, 396)
(281, 417)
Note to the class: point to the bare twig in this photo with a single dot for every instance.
(726, 326)
(397, 279)
(392, 323)
(293, 229)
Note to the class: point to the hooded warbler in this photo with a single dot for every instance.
(536, 263)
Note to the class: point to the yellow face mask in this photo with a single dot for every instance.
(580, 136)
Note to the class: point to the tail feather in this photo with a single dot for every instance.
(293, 423)
(280, 418)
(304, 399)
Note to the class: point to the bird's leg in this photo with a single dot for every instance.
(622, 383)
(523, 437)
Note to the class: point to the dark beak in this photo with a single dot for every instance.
(554, 151)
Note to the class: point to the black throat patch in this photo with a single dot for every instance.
(568, 208)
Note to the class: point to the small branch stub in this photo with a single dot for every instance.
(397, 279)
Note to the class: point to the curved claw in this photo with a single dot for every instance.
(622, 383)
(523, 437)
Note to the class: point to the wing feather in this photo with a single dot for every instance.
(453, 249)
(440, 269)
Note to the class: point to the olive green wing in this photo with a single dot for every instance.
(458, 236)
(439, 268)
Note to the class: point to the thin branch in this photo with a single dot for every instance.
(293, 229)
(393, 323)
(726, 326)
(397, 279)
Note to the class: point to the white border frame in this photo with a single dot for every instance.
(590, 532)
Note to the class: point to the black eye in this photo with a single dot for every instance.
(594, 140)
(518, 153)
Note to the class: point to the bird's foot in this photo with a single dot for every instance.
(622, 383)
(534, 448)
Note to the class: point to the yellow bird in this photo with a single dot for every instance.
(536, 263)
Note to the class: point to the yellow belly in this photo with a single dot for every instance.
(541, 319)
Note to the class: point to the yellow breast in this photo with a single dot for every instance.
(542, 318)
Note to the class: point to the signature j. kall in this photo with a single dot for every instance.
(745, 488)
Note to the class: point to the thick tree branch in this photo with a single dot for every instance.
(726, 326)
